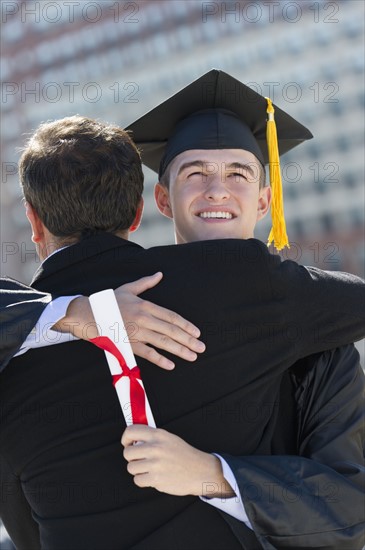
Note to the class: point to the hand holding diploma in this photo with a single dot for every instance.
(170, 465)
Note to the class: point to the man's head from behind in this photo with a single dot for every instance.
(79, 177)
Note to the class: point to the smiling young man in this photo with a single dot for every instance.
(213, 194)
(246, 302)
(212, 185)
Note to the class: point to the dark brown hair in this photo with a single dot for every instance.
(82, 176)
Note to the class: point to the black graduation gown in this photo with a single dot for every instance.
(64, 393)
(315, 499)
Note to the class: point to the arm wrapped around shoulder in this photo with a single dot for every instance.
(20, 309)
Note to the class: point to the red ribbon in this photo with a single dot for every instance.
(137, 393)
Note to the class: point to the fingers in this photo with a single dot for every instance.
(155, 328)
(148, 324)
(137, 432)
(139, 286)
(172, 318)
(147, 329)
(143, 480)
(172, 345)
(154, 310)
(136, 453)
(153, 356)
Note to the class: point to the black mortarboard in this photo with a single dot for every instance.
(216, 111)
(214, 90)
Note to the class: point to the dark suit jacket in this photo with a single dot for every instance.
(62, 424)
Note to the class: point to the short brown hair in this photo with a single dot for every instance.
(82, 176)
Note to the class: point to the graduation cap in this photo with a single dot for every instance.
(216, 111)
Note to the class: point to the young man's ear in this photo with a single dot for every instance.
(264, 202)
(35, 222)
(162, 199)
(138, 217)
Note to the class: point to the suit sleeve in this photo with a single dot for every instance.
(20, 308)
(316, 499)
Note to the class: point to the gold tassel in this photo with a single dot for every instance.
(278, 230)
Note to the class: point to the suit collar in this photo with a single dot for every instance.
(76, 253)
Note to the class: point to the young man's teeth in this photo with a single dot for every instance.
(225, 215)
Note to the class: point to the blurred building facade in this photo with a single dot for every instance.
(116, 60)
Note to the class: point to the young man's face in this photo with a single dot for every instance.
(213, 194)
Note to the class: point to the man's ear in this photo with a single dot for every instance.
(264, 202)
(162, 198)
(35, 222)
(138, 217)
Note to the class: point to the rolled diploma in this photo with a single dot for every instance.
(110, 323)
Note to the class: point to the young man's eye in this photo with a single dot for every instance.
(238, 175)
